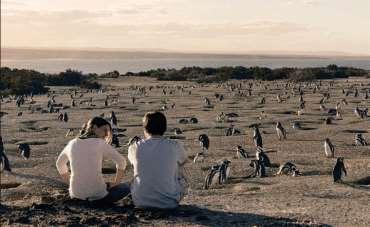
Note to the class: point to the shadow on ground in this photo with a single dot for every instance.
(72, 212)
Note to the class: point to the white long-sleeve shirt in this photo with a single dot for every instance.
(156, 172)
(85, 157)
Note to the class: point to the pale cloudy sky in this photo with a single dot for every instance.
(240, 26)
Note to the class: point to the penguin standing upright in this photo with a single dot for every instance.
(65, 117)
(338, 169)
(257, 138)
(204, 142)
(113, 119)
(24, 150)
(262, 157)
(329, 148)
(4, 161)
(280, 130)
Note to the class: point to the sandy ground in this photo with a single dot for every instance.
(33, 194)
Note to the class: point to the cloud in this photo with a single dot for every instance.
(111, 22)
(304, 2)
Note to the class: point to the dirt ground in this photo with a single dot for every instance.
(32, 193)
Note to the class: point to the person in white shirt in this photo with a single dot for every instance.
(158, 162)
(85, 155)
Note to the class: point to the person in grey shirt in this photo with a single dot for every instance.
(158, 163)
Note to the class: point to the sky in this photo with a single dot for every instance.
(206, 26)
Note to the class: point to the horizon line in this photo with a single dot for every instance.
(213, 52)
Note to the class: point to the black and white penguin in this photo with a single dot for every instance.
(4, 161)
(204, 142)
(360, 140)
(296, 125)
(262, 157)
(258, 168)
(25, 150)
(113, 119)
(177, 131)
(281, 133)
(65, 117)
(241, 153)
(257, 138)
(288, 168)
(338, 169)
(193, 120)
(329, 148)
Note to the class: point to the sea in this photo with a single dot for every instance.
(105, 61)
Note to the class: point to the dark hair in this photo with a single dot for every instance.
(155, 123)
(98, 121)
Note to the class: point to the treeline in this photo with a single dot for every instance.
(24, 81)
(206, 75)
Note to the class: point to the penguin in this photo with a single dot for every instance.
(288, 168)
(204, 142)
(278, 98)
(322, 107)
(356, 93)
(296, 125)
(183, 121)
(257, 138)
(232, 131)
(207, 102)
(60, 117)
(199, 157)
(113, 119)
(177, 131)
(164, 108)
(300, 112)
(281, 133)
(262, 101)
(262, 157)
(211, 174)
(329, 148)
(338, 116)
(25, 150)
(241, 153)
(224, 171)
(360, 140)
(258, 168)
(328, 121)
(70, 132)
(4, 161)
(65, 117)
(115, 140)
(338, 169)
(193, 120)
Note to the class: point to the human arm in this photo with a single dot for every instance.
(62, 167)
(181, 159)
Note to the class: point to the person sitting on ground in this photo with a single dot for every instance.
(85, 155)
(158, 166)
